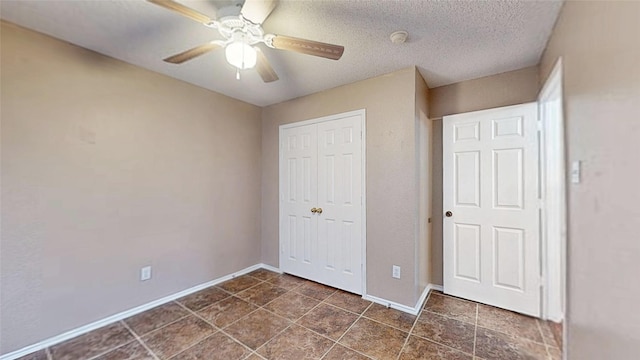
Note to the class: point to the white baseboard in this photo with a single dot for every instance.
(404, 308)
(127, 313)
(271, 268)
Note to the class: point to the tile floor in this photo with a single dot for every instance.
(264, 315)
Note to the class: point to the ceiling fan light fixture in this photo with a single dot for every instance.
(241, 55)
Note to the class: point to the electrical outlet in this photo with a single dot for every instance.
(145, 273)
(395, 271)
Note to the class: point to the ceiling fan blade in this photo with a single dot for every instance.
(264, 68)
(183, 10)
(257, 10)
(192, 53)
(308, 47)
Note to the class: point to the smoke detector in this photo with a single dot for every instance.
(399, 37)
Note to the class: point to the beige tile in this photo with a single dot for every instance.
(239, 284)
(262, 294)
(453, 307)
(155, 318)
(216, 347)
(454, 333)
(226, 311)
(509, 322)
(374, 339)
(418, 348)
(178, 336)
(132, 351)
(257, 328)
(348, 301)
(288, 282)
(292, 305)
(296, 343)
(391, 317)
(38, 355)
(315, 290)
(328, 320)
(495, 345)
(93, 343)
(340, 352)
(203, 298)
(263, 274)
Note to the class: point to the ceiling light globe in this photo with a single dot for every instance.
(241, 55)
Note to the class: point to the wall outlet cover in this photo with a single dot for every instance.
(145, 273)
(396, 272)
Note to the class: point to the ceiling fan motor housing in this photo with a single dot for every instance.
(235, 28)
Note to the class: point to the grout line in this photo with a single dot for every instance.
(273, 337)
(254, 353)
(475, 331)
(139, 339)
(163, 326)
(546, 346)
(218, 330)
(513, 336)
(443, 345)
(391, 326)
(345, 333)
(118, 346)
(110, 350)
(434, 341)
(413, 325)
(192, 345)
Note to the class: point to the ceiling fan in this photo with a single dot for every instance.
(241, 32)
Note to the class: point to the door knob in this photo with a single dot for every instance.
(314, 210)
(319, 210)
(448, 214)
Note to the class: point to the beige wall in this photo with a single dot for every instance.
(599, 45)
(423, 183)
(106, 168)
(391, 174)
(510, 88)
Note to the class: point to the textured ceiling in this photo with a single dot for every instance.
(449, 41)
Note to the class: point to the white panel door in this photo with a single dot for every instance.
(321, 169)
(299, 194)
(339, 197)
(491, 231)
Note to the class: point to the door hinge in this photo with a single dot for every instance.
(539, 125)
(541, 280)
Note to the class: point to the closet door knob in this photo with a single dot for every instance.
(314, 210)
(319, 210)
(448, 214)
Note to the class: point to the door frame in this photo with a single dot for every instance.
(553, 151)
(363, 208)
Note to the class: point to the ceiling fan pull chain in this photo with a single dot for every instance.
(237, 74)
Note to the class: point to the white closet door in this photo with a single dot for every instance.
(299, 194)
(321, 167)
(339, 197)
(491, 234)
